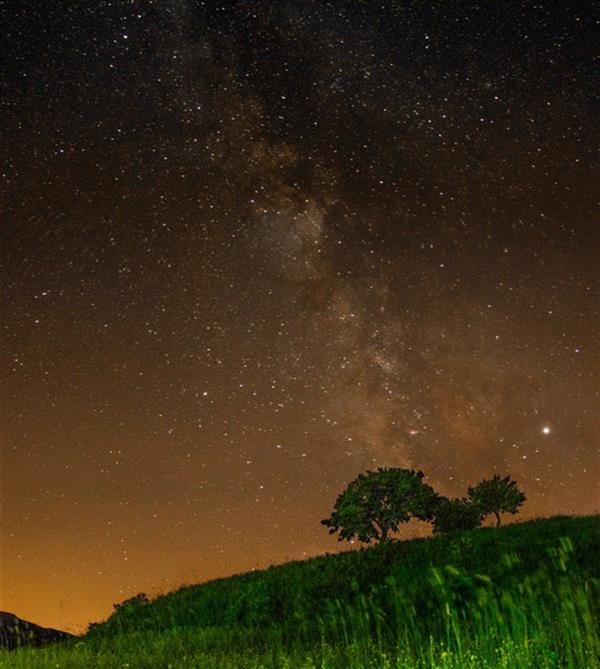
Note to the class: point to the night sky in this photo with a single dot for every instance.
(251, 249)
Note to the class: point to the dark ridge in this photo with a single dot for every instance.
(15, 633)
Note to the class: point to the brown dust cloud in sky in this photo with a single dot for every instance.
(253, 249)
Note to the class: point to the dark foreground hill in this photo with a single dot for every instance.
(15, 632)
(524, 596)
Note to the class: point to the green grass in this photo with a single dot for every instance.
(526, 596)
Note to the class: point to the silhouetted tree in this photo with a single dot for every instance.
(376, 503)
(455, 515)
(496, 496)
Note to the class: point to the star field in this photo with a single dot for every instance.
(252, 249)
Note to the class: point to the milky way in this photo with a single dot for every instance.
(252, 249)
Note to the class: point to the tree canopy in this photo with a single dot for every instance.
(455, 515)
(495, 496)
(374, 504)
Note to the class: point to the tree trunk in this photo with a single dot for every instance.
(497, 519)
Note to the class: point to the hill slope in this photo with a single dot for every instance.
(524, 596)
(305, 587)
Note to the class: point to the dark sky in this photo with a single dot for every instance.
(253, 249)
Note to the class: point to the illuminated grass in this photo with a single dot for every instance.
(510, 616)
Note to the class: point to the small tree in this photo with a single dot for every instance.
(137, 600)
(496, 496)
(455, 515)
(376, 503)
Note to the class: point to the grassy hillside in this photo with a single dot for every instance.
(525, 595)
